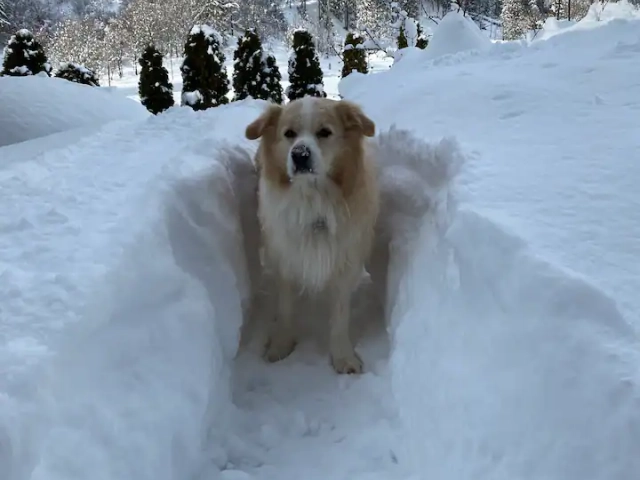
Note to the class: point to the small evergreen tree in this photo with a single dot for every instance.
(354, 57)
(247, 67)
(402, 38)
(305, 74)
(204, 79)
(24, 56)
(422, 41)
(78, 74)
(272, 85)
(154, 88)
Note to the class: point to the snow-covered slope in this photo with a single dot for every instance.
(503, 365)
(34, 107)
(128, 258)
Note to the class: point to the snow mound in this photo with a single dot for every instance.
(599, 14)
(133, 278)
(36, 106)
(514, 318)
(454, 34)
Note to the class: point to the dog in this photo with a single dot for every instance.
(318, 202)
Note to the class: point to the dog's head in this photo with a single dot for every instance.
(310, 137)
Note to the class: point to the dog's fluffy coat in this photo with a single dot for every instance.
(317, 226)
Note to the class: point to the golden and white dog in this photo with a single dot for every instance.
(318, 203)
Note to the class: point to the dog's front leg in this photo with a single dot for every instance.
(343, 356)
(281, 332)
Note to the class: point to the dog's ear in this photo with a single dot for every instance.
(353, 118)
(269, 118)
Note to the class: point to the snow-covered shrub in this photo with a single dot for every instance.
(204, 78)
(422, 41)
(305, 74)
(272, 79)
(24, 56)
(354, 57)
(247, 67)
(154, 88)
(78, 74)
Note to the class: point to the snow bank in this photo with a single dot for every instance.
(124, 284)
(505, 365)
(598, 15)
(36, 106)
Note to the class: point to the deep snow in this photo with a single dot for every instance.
(128, 258)
(36, 106)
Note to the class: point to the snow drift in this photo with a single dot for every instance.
(124, 364)
(36, 106)
(504, 365)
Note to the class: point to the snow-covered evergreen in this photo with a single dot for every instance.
(154, 88)
(24, 56)
(78, 74)
(272, 85)
(204, 78)
(354, 57)
(305, 74)
(422, 41)
(247, 67)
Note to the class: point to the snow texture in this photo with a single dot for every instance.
(504, 271)
(515, 329)
(454, 34)
(33, 107)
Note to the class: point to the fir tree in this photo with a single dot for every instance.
(247, 67)
(24, 56)
(402, 38)
(422, 41)
(78, 74)
(154, 88)
(204, 78)
(305, 74)
(272, 80)
(354, 56)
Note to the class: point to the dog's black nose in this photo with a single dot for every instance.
(301, 158)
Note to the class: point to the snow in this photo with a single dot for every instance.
(33, 107)
(454, 34)
(499, 322)
(515, 330)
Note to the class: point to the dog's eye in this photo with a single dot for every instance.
(324, 133)
(290, 134)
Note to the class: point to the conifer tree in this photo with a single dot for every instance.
(272, 80)
(247, 67)
(24, 56)
(154, 88)
(204, 79)
(402, 38)
(305, 74)
(517, 18)
(422, 41)
(354, 56)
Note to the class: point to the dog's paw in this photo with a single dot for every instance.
(350, 364)
(279, 348)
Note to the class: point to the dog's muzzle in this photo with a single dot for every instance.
(301, 159)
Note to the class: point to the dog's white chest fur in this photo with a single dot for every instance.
(304, 229)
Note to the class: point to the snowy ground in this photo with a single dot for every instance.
(127, 260)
